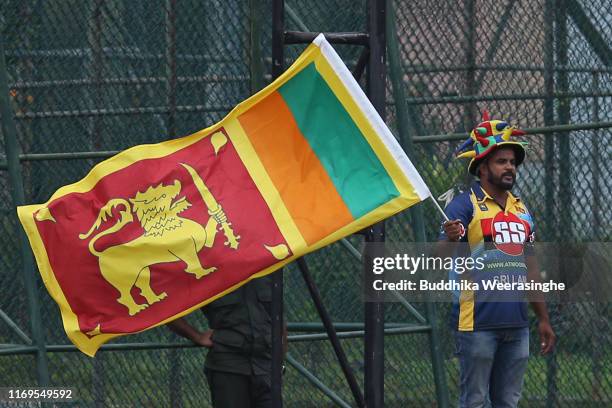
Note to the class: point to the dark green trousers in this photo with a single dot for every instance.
(229, 390)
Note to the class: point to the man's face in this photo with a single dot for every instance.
(500, 168)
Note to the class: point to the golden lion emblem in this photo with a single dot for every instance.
(168, 237)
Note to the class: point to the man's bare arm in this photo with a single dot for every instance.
(547, 335)
(184, 329)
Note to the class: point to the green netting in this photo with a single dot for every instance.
(105, 75)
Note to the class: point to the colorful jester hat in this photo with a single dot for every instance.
(488, 135)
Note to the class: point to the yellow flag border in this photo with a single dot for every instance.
(360, 110)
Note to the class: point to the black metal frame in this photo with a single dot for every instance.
(373, 56)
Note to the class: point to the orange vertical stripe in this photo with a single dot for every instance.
(304, 185)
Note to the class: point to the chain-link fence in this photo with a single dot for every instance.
(105, 75)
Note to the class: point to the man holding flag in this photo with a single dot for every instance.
(492, 337)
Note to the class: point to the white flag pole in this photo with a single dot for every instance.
(439, 208)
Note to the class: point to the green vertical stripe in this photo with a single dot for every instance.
(358, 175)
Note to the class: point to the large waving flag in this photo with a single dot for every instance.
(160, 230)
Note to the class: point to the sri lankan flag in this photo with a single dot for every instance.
(160, 230)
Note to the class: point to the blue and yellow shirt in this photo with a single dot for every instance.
(501, 237)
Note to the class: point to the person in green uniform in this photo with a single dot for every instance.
(239, 360)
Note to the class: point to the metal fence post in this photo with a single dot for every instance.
(170, 20)
(549, 119)
(416, 212)
(563, 114)
(374, 352)
(255, 57)
(596, 205)
(598, 334)
(374, 311)
(94, 66)
(470, 62)
(407, 129)
(9, 130)
(564, 194)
